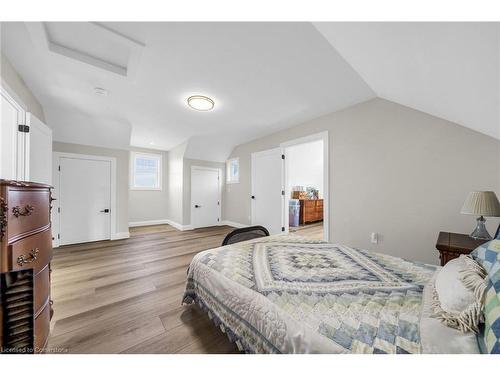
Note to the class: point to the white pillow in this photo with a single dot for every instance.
(458, 294)
(453, 296)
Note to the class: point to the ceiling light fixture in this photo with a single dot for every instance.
(200, 103)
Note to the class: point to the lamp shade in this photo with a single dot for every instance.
(483, 203)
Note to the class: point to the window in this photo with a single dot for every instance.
(145, 171)
(233, 171)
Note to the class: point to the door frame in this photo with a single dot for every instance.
(219, 192)
(326, 177)
(56, 183)
(253, 180)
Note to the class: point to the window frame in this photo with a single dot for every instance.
(146, 155)
(228, 169)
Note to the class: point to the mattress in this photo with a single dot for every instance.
(289, 294)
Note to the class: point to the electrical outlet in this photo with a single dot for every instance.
(374, 238)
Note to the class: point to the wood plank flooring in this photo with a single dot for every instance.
(125, 296)
(314, 230)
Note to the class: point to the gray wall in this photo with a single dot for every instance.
(188, 163)
(393, 170)
(17, 88)
(122, 182)
(147, 205)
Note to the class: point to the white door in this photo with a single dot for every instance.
(11, 139)
(205, 197)
(267, 197)
(39, 150)
(85, 200)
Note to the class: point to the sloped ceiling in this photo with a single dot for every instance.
(449, 70)
(264, 77)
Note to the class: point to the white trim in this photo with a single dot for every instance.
(120, 235)
(147, 222)
(234, 224)
(219, 191)
(56, 183)
(179, 226)
(326, 177)
(150, 155)
(19, 138)
(254, 155)
(159, 222)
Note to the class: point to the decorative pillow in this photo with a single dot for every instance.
(489, 255)
(458, 294)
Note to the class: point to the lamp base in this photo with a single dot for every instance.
(480, 233)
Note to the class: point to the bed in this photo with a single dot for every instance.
(289, 294)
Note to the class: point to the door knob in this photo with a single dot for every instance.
(197, 206)
(106, 210)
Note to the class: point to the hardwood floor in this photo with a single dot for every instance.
(314, 231)
(125, 296)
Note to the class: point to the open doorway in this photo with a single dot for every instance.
(306, 186)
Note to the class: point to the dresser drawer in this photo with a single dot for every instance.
(28, 210)
(42, 327)
(31, 252)
(42, 289)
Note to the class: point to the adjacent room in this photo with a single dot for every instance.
(250, 187)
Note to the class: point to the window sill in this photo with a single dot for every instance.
(145, 189)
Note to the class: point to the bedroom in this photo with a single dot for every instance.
(249, 187)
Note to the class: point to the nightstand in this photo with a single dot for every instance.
(452, 245)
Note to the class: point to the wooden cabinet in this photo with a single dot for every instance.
(311, 210)
(452, 245)
(25, 255)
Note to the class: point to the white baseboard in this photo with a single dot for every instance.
(158, 222)
(179, 226)
(120, 235)
(148, 222)
(234, 224)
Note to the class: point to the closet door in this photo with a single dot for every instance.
(38, 151)
(12, 141)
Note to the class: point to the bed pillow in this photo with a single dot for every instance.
(458, 294)
(489, 255)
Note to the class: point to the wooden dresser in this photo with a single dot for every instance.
(311, 210)
(25, 255)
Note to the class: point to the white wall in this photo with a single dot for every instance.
(175, 183)
(16, 87)
(393, 170)
(305, 165)
(150, 205)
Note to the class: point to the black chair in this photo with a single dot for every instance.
(245, 234)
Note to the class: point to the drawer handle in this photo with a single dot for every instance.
(31, 257)
(28, 210)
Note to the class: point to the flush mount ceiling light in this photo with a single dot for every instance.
(200, 103)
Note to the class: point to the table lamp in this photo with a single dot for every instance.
(482, 203)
